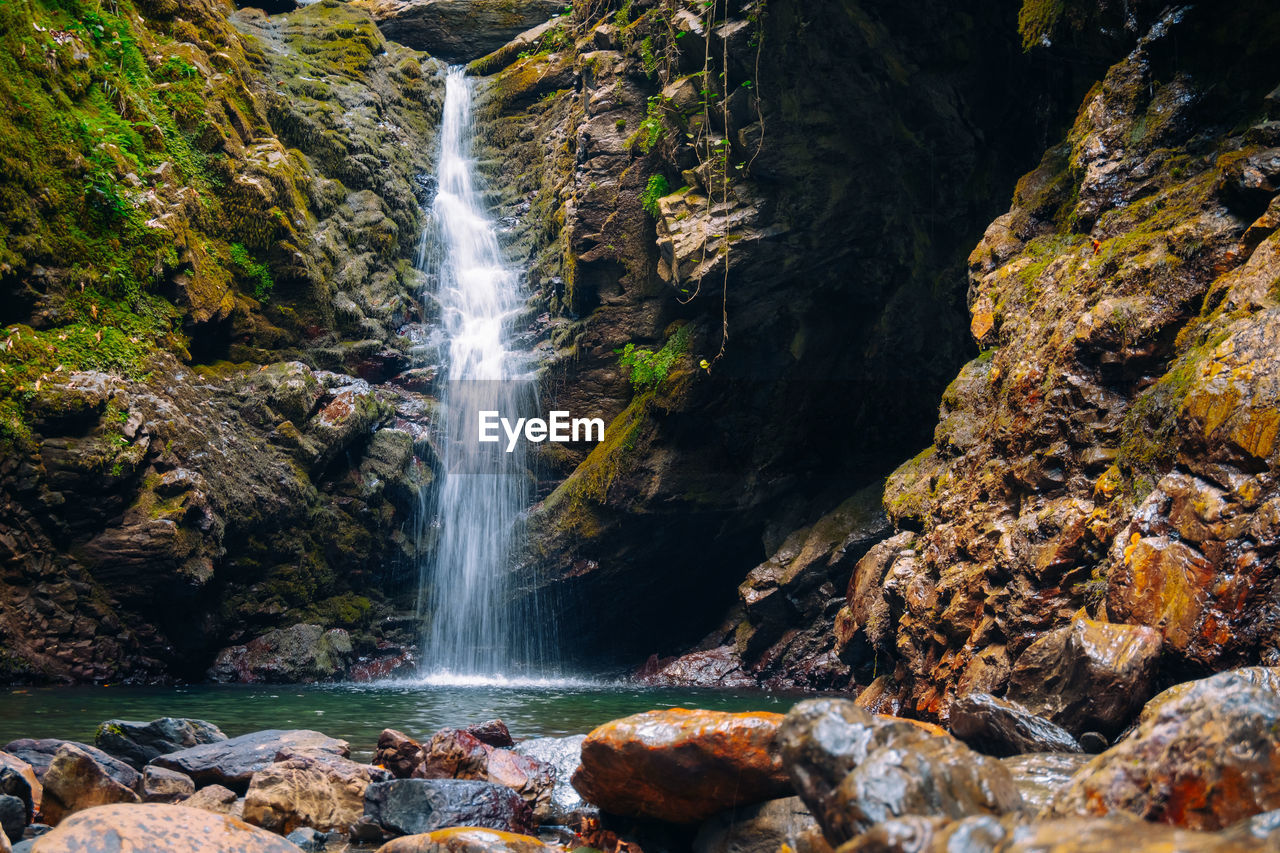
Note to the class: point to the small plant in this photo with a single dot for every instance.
(654, 190)
(647, 368)
(251, 269)
(651, 128)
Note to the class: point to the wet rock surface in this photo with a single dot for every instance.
(1002, 727)
(324, 793)
(398, 753)
(165, 786)
(416, 806)
(74, 782)
(760, 828)
(39, 754)
(459, 30)
(301, 653)
(233, 762)
(465, 840)
(563, 755)
(680, 766)
(156, 828)
(137, 743)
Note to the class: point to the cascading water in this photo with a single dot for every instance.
(472, 628)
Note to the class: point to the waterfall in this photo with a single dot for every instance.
(471, 626)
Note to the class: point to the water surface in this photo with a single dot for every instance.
(358, 712)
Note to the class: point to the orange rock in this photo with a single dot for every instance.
(680, 765)
(74, 781)
(466, 839)
(157, 828)
(26, 771)
(931, 728)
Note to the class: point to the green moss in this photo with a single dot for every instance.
(656, 188)
(254, 271)
(648, 369)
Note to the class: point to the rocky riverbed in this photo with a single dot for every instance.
(1195, 768)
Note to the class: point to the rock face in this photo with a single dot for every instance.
(680, 766)
(138, 743)
(416, 806)
(465, 840)
(855, 770)
(289, 655)
(233, 762)
(158, 829)
(1001, 727)
(565, 806)
(459, 30)
(326, 794)
(74, 782)
(1203, 761)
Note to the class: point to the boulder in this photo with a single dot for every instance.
(233, 762)
(324, 793)
(565, 806)
(308, 840)
(301, 653)
(137, 743)
(76, 781)
(491, 732)
(855, 770)
(466, 839)
(398, 753)
(1003, 727)
(1201, 761)
(532, 779)
(165, 786)
(679, 765)
(412, 806)
(214, 798)
(13, 817)
(39, 755)
(1040, 776)
(155, 828)
(459, 30)
(1088, 675)
(761, 828)
(1264, 677)
(453, 754)
(18, 779)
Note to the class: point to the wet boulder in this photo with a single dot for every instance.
(414, 806)
(76, 781)
(466, 839)
(453, 754)
(137, 743)
(532, 779)
(761, 828)
(39, 755)
(491, 732)
(398, 753)
(1040, 776)
(155, 828)
(1263, 677)
(299, 654)
(233, 762)
(1087, 676)
(324, 793)
(13, 817)
(855, 770)
(679, 765)
(1202, 761)
(565, 805)
(165, 786)
(216, 799)
(1003, 727)
(18, 779)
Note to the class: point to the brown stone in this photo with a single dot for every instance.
(165, 786)
(156, 828)
(74, 781)
(465, 839)
(681, 765)
(1166, 585)
(233, 762)
(28, 774)
(1203, 761)
(491, 732)
(213, 798)
(325, 793)
(532, 779)
(1264, 677)
(453, 754)
(398, 753)
(1088, 675)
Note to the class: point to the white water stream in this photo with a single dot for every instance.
(471, 625)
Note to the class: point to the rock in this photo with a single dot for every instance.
(213, 798)
(459, 30)
(324, 793)
(398, 753)
(681, 766)
(13, 816)
(1264, 677)
(233, 762)
(720, 667)
(138, 743)
(1201, 761)
(565, 806)
(453, 754)
(165, 786)
(1040, 776)
(761, 828)
(1087, 675)
(466, 839)
(18, 779)
(529, 777)
(411, 806)
(308, 840)
(302, 653)
(855, 770)
(75, 781)
(491, 732)
(1094, 742)
(39, 755)
(1002, 727)
(155, 828)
